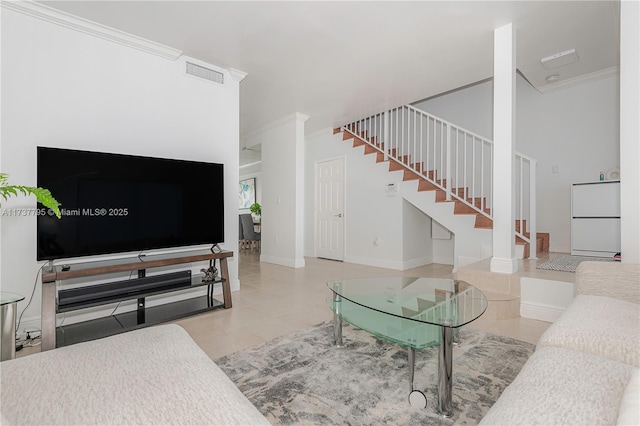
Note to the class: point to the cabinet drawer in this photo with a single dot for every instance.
(596, 200)
(595, 235)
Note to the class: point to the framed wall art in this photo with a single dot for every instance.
(247, 193)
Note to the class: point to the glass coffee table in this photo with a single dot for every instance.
(414, 312)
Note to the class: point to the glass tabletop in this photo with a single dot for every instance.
(6, 297)
(436, 301)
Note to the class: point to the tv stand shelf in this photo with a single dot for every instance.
(56, 301)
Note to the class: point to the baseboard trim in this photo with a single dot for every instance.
(380, 263)
(445, 260)
(291, 263)
(540, 311)
(504, 266)
(416, 263)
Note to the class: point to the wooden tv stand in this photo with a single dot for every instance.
(53, 336)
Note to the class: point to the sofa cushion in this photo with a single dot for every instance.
(610, 279)
(558, 386)
(156, 375)
(629, 412)
(598, 325)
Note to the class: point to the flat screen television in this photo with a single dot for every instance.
(114, 203)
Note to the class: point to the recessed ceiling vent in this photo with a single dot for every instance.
(560, 59)
(206, 73)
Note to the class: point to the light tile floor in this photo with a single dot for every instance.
(275, 300)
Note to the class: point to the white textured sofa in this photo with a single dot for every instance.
(586, 367)
(154, 376)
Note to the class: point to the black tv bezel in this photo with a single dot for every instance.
(137, 249)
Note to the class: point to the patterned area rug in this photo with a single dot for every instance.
(302, 379)
(570, 263)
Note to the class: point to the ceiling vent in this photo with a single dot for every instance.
(560, 59)
(206, 73)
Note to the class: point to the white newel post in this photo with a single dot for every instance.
(504, 75)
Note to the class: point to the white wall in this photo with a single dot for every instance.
(64, 88)
(371, 213)
(543, 299)
(470, 108)
(417, 246)
(575, 129)
(282, 190)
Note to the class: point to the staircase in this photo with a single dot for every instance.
(452, 171)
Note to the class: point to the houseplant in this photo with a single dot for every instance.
(43, 195)
(256, 209)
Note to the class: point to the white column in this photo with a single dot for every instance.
(630, 130)
(282, 230)
(231, 187)
(299, 191)
(1, 168)
(504, 89)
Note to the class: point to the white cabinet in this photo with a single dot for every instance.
(595, 218)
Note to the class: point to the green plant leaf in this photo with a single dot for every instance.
(256, 209)
(42, 195)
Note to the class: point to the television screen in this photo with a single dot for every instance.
(113, 203)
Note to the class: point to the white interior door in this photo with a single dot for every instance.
(330, 209)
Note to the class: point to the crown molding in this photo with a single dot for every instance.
(576, 81)
(295, 117)
(95, 29)
(237, 75)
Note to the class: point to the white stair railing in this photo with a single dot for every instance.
(451, 158)
(525, 170)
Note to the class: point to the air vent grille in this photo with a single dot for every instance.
(206, 73)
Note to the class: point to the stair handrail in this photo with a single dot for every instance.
(378, 130)
(377, 127)
(521, 230)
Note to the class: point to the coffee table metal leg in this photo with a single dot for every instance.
(412, 367)
(416, 398)
(445, 370)
(337, 320)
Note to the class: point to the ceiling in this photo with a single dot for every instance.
(339, 61)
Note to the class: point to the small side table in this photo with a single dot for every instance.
(8, 303)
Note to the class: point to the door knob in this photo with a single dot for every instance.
(338, 215)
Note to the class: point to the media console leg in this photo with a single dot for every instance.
(48, 316)
(141, 310)
(226, 284)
